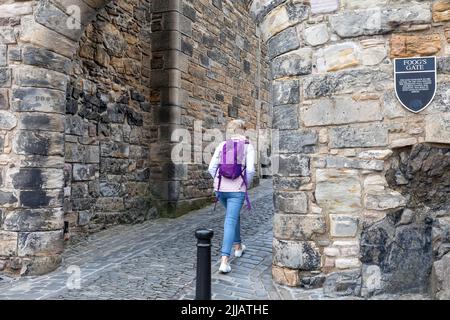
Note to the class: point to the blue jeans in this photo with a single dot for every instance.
(232, 201)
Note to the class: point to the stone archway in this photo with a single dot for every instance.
(37, 43)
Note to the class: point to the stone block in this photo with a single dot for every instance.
(340, 110)
(286, 92)
(441, 11)
(283, 42)
(343, 226)
(347, 263)
(84, 172)
(8, 10)
(324, 6)
(294, 63)
(35, 178)
(5, 77)
(293, 141)
(7, 35)
(285, 276)
(30, 76)
(291, 202)
(373, 135)
(384, 200)
(34, 220)
(42, 121)
(38, 143)
(3, 58)
(46, 59)
(342, 162)
(414, 45)
(114, 149)
(8, 120)
(293, 166)
(4, 99)
(302, 255)
(298, 227)
(260, 8)
(316, 35)
(37, 99)
(338, 190)
(282, 18)
(437, 128)
(8, 242)
(40, 243)
(285, 117)
(338, 56)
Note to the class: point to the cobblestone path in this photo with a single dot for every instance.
(156, 260)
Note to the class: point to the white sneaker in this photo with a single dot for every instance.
(225, 268)
(238, 253)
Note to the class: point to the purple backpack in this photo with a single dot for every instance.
(232, 164)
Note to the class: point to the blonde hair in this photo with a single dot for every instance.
(236, 126)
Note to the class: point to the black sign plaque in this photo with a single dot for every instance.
(415, 82)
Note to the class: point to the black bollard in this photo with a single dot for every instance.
(203, 288)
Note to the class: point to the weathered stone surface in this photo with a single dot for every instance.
(441, 11)
(285, 117)
(330, 84)
(7, 120)
(29, 76)
(2, 55)
(34, 220)
(113, 40)
(338, 56)
(384, 201)
(75, 125)
(373, 52)
(7, 35)
(291, 202)
(340, 111)
(282, 18)
(412, 46)
(7, 198)
(338, 191)
(40, 243)
(81, 153)
(35, 178)
(8, 243)
(4, 100)
(371, 280)
(441, 278)
(44, 58)
(114, 149)
(38, 143)
(347, 263)
(35, 33)
(343, 226)
(260, 8)
(84, 172)
(437, 128)
(42, 121)
(283, 42)
(342, 162)
(375, 154)
(343, 284)
(403, 253)
(316, 35)
(294, 63)
(15, 9)
(298, 227)
(293, 141)
(285, 276)
(353, 137)
(55, 19)
(303, 256)
(293, 166)
(282, 183)
(36, 99)
(324, 6)
(5, 77)
(378, 21)
(362, 4)
(286, 92)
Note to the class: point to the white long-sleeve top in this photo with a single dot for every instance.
(229, 185)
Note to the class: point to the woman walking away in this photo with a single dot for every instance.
(232, 167)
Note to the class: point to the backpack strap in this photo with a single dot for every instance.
(244, 182)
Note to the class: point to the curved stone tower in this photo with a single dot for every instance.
(362, 191)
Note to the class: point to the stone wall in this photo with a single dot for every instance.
(90, 99)
(339, 123)
(109, 121)
(223, 74)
